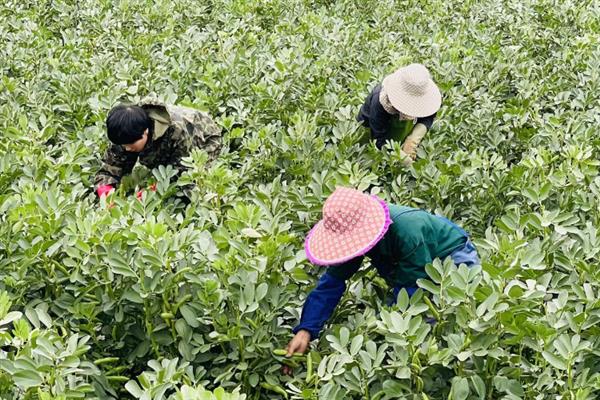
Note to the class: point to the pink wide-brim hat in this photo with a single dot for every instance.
(411, 91)
(352, 224)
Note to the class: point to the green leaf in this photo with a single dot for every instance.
(433, 273)
(119, 266)
(479, 386)
(132, 296)
(261, 291)
(371, 349)
(417, 309)
(429, 286)
(133, 388)
(189, 314)
(10, 317)
(460, 388)
(251, 233)
(26, 379)
(356, 344)
(545, 191)
(395, 388)
(43, 315)
(555, 361)
(458, 280)
(403, 299)
(344, 336)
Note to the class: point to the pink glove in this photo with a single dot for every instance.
(104, 190)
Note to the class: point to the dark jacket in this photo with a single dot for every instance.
(373, 116)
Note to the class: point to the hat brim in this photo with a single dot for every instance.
(415, 106)
(325, 248)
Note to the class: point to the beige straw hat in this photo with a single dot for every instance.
(412, 91)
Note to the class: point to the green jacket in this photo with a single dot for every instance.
(177, 130)
(412, 241)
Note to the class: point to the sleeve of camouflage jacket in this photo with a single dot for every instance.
(199, 131)
(116, 164)
(204, 134)
(207, 135)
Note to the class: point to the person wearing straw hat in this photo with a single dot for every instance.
(402, 108)
(400, 241)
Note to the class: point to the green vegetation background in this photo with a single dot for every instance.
(154, 300)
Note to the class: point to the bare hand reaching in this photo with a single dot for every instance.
(298, 344)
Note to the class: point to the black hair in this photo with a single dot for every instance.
(125, 124)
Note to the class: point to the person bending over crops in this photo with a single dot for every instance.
(154, 134)
(402, 108)
(399, 240)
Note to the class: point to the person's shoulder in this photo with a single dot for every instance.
(397, 210)
(152, 101)
(373, 96)
(407, 218)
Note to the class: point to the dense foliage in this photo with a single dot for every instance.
(152, 299)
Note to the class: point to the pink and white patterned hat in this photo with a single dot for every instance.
(352, 224)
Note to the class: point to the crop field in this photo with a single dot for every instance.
(157, 299)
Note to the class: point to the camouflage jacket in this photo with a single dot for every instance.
(177, 130)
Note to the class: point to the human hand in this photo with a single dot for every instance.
(298, 344)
